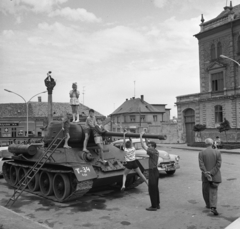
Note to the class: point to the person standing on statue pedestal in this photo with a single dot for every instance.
(74, 95)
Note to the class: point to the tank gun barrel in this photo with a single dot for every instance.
(136, 135)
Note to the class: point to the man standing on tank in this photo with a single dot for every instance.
(153, 173)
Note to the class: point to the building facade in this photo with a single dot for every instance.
(219, 95)
(13, 117)
(135, 114)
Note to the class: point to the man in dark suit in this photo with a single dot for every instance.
(210, 162)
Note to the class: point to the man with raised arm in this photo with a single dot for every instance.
(153, 190)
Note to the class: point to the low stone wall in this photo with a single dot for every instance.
(169, 129)
(233, 135)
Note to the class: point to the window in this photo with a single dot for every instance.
(132, 118)
(142, 118)
(117, 119)
(213, 56)
(238, 44)
(138, 145)
(217, 82)
(219, 49)
(218, 114)
(155, 118)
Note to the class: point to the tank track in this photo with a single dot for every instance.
(81, 187)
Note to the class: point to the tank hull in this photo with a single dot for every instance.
(82, 176)
(63, 174)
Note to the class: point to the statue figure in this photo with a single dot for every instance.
(49, 82)
(74, 95)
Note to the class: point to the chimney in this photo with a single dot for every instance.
(142, 98)
(126, 99)
(39, 99)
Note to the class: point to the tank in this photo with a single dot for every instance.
(70, 173)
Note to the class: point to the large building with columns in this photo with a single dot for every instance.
(219, 95)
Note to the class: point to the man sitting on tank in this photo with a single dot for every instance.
(89, 126)
(131, 162)
(97, 133)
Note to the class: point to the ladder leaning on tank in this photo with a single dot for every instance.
(24, 181)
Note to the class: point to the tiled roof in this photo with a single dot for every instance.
(39, 109)
(135, 106)
(225, 13)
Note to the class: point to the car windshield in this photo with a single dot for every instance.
(138, 145)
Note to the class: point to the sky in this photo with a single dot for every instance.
(113, 49)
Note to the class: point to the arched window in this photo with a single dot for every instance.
(219, 49)
(218, 114)
(238, 44)
(213, 55)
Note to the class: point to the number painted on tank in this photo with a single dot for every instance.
(83, 171)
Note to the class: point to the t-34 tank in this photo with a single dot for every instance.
(68, 174)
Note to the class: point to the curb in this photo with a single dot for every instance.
(234, 225)
(12, 220)
(222, 151)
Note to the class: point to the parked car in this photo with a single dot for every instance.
(166, 162)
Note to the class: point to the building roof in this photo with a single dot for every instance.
(135, 106)
(222, 18)
(39, 109)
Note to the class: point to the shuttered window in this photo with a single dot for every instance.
(217, 82)
(218, 114)
(238, 44)
(213, 52)
(219, 49)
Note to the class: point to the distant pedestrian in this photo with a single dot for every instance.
(210, 162)
(153, 173)
(217, 143)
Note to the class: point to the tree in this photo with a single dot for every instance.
(224, 127)
(199, 128)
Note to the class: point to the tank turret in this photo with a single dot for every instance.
(77, 134)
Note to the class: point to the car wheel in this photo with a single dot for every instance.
(170, 172)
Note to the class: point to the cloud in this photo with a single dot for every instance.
(8, 33)
(160, 3)
(75, 14)
(37, 6)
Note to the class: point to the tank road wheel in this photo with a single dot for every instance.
(13, 175)
(6, 172)
(34, 183)
(46, 183)
(21, 173)
(61, 186)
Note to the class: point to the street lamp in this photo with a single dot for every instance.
(27, 102)
(226, 57)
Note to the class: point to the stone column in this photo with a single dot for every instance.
(50, 84)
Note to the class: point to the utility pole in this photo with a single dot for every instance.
(134, 88)
(83, 93)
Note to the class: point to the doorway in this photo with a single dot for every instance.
(189, 119)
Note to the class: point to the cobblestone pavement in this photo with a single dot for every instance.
(182, 205)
